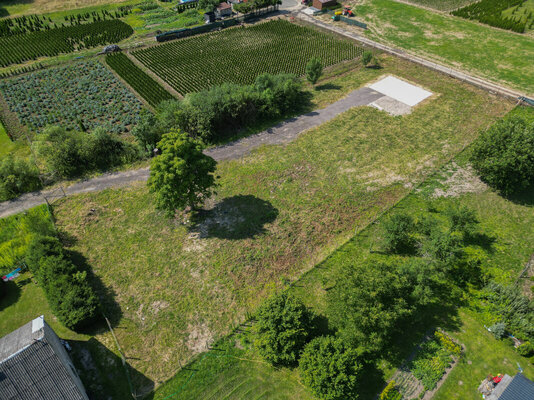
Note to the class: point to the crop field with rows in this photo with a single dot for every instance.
(78, 96)
(142, 83)
(499, 13)
(30, 46)
(239, 55)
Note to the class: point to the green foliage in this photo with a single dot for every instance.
(210, 114)
(526, 349)
(17, 231)
(147, 132)
(141, 82)
(72, 153)
(240, 55)
(68, 291)
(390, 392)
(462, 219)
(207, 5)
(498, 330)
(367, 57)
(30, 46)
(432, 360)
(369, 302)
(314, 70)
(282, 329)
(85, 92)
(330, 369)
(513, 309)
(17, 176)
(504, 155)
(398, 233)
(182, 175)
(490, 12)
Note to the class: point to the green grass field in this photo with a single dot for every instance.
(276, 214)
(9, 147)
(442, 5)
(491, 53)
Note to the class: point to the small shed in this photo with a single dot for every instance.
(322, 4)
(223, 10)
(209, 17)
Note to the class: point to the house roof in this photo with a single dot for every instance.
(223, 6)
(519, 388)
(31, 368)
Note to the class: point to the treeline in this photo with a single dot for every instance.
(253, 5)
(36, 23)
(217, 113)
(490, 12)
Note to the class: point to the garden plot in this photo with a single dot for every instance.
(399, 96)
(82, 96)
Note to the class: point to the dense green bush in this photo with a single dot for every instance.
(330, 368)
(369, 302)
(17, 232)
(69, 154)
(526, 349)
(68, 291)
(222, 110)
(504, 155)
(282, 329)
(314, 69)
(399, 232)
(17, 176)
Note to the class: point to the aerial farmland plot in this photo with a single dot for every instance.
(83, 93)
(240, 54)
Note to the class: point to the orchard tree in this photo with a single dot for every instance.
(182, 175)
(282, 329)
(330, 368)
(314, 70)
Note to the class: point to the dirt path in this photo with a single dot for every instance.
(282, 133)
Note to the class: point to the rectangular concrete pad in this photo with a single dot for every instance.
(400, 90)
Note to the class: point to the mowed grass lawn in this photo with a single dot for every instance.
(497, 55)
(278, 212)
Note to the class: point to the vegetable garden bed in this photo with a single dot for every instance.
(77, 96)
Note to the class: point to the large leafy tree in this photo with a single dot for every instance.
(330, 368)
(182, 175)
(282, 329)
(369, 301)
(504, 155)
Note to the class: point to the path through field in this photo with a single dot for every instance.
(284, 132)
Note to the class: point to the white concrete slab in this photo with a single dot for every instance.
(401, 91)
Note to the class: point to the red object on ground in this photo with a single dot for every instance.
(497, 379)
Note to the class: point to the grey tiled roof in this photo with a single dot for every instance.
(32, 367)
(520, 388)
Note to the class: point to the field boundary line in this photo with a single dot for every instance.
(462, 76)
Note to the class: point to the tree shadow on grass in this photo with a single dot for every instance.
(103, 374)
(327, 86)
(9, 294)
(523, 198)
(234, 218)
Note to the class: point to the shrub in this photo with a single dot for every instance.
(498, 330)
(367, 57)
(147, 132)
(314, 69)
(526, 349)
(390, 392)
(330, 369)
(462, 220)
(504, 155)
(17, 176)
(398, 233)
(69, 154)
(68, 291)
(282, 329)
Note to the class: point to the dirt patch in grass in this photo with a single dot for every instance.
(458, 181)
